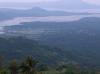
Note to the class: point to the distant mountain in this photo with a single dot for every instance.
(38, 9)
(6, 13)
(79, 40)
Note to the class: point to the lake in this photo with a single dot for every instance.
(19, 20)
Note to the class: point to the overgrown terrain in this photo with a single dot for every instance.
(31, 66)
(77, 41)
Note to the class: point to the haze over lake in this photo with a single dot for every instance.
(19, 20)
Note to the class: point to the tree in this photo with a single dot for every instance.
(1, 62)
(43, 67)
(29, 65)
(4, 72)
(62, 67)
(13, 67)
(77, 69)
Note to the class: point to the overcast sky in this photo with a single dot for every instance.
(51, 4)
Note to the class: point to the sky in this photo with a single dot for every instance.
(51, 4)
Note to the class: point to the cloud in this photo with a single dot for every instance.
(29, 1)
(51, 4)
(95, 2)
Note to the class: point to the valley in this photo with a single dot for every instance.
(79, 40)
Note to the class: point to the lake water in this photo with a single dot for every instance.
(19, 20)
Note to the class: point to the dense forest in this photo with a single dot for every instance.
(29, 65)
(19, 47)
(19, 55)
(77, 41)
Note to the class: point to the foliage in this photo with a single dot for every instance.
(32, 66)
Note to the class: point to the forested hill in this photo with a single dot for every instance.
(79, 40)
(20, 47)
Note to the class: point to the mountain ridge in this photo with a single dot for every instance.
(8, 13)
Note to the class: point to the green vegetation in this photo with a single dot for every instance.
(47, 60)
(79, 41)
(32, 66)
(20, 47)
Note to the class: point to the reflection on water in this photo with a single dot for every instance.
(19, 20)
(1, 30)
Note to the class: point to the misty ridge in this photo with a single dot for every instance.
(9, 13)
(10, 16)
(35, 12)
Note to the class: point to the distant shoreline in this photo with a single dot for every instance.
(19, 20)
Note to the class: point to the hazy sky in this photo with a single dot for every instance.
(52, 4)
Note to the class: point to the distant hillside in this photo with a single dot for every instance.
(6, 13)
(20, 47)
(79, 40)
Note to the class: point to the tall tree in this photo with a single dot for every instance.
(43, 67)
(29, 65)
(1, 62)
(13, 67)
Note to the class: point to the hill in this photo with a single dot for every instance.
(79, 40)
(7, 13)
(20, 47)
